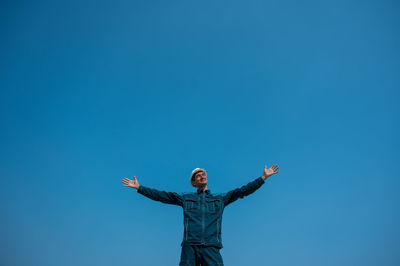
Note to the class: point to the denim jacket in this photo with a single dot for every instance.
(202, 211)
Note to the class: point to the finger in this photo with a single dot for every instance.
(126, 179)
(134, 177)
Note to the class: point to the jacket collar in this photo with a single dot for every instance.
(199, 191)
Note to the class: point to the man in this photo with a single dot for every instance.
(202, 213)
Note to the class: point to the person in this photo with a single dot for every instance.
(202, 212)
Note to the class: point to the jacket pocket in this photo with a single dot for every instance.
(191, 204)
(213, 205)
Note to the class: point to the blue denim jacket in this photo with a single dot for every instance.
(202, 211)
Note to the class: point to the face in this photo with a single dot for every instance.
(200, 179)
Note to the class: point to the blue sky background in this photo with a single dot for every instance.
(94, 91)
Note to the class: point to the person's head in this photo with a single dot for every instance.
(198, 178)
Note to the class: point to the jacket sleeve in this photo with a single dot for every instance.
(246, 190)
(163, 196)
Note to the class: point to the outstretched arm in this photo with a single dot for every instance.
(154, 194)
(251, 187)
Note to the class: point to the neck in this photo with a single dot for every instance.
(202, 188)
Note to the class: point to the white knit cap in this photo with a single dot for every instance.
(195, 171)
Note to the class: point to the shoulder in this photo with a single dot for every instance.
(218, 196)
(189, 195)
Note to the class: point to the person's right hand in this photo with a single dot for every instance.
(131, 183)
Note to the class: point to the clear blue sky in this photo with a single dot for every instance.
(94, 91)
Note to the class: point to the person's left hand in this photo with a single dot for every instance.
(271, 171)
